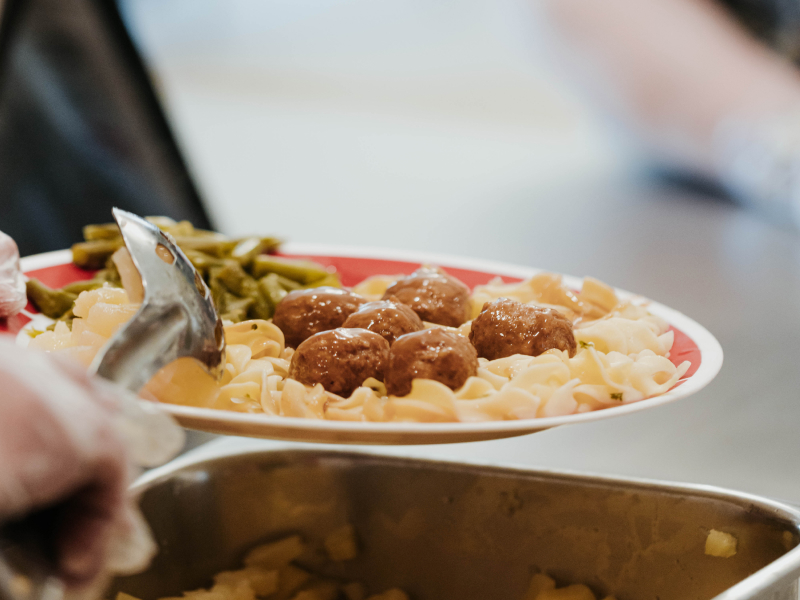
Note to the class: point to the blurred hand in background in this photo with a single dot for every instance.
(702, 92)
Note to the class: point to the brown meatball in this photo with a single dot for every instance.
(430, 354)
(388, 318)
(434, 295)
(340, 359)
(303, 313)
(506, 327)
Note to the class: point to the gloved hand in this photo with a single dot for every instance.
(12, 283)
(67, 439)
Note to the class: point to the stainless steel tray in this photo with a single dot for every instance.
(453, 531)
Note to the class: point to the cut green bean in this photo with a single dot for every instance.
(247, 249)
(51, 303)
(331, 279)
(302, 271)
(271, 289)
(236, 309)
(104, 231)
(288, 284)
(236, 280)
(77, 287)
(93, 255)
(218, 248)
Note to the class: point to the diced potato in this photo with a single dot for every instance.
(275, 554)
(539, 583)
(262, 581)
(571, 592)
(341, 544)
(240, 591)
(324, 590)
(124, 596)
(721, 544)
(105, 295)
(290, 579)
(355, 591)
(105, 319)
(393, 594)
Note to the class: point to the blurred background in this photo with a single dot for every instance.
(416, 113)
(486, 128)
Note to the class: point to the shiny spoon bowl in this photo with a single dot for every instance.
(177, 318)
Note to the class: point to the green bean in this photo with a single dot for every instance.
(218, 248)
(288, 284)
(271, 289)
(109, 276)
(236, 308)
(218, 291)
(51, 303)
(93, 255)
(302, 271)
(331, 279)
(236, 280)
(104, 231)
(247, 249)
(202, 261)
(262, 308)
(77, 287)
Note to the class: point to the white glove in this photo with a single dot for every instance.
(67, 438)
(12, 282)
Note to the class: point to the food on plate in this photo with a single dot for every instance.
(245, 283)
(720, 544)
(621, 356)
(418, 347)
(434, 295)
(506, 327)
(388, 318)
(340, 359)
(12, 282)
(303, 313)
(432, 354)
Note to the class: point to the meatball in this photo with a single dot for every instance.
(506, 327)
(340, 359)
(388, 318)
(303, 313)
(434, 295)
(433, 353)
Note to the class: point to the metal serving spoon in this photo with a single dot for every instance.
(177, 318)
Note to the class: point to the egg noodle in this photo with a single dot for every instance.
(622, 357)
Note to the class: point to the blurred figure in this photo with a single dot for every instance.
(708, 86)
(81, 128)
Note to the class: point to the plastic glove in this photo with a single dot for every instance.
(66, 439)
(12, 282)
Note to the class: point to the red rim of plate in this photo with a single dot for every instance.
(353, 264)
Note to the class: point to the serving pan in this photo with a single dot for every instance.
(353, 264)
(447, 531)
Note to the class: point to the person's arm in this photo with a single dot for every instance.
(679, 71)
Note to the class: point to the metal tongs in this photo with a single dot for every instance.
(177, 319)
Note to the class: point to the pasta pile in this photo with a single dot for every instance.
(622, 357)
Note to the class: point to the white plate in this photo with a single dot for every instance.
(362, 260)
